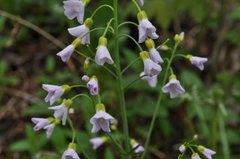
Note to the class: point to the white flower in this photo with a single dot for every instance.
(66, 53)
(141, 2)
(152, 80)
(145, 28)
(135, 145)
(49, 129)
(97, 142)
(206, 152)
(61, 111)
(150, 68)
(70, 154)
(173, 87)
(74, 9)
(195, 156)
(103, 56)
(155, 56)
(54, 92)
(182, 148)
(101, 120)
(40, 123)
(198, 61)
(92, 85)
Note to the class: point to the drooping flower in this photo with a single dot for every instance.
(195, 156)
(152, 80)
(70, 153)
(206, 152)
(103, 54)
(49, 129)
(141, 2)
(82, 31)
(173, 87)
(97, 142)
(154, 54)
(92, 85)
(197, 61)
(182, 148)
(61, 111)
(145, 28)
(101, 120)
(66, 53)
(54, 92)
(150, 68)
(74, 9)
(135, 145)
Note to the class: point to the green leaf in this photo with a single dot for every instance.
(19, 146)
(108, 154)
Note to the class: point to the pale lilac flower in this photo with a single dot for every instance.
(80, 31)
(145, 28)
(40, 123)
(70, 154)
(152, 80)
(141, 2)
(103, 55)
(92, 85)
(74, 9)
(195, 156)
(150, 68)
(206, 152)
(54, 92)
(182, 148)
(155, 56)
(198, 61)
(66, 53)
(85, 78)
(101, 120)
(49, 129)
(61, 111)
(173, 87)
(97, 142)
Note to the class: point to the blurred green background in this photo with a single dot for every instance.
(210, 108)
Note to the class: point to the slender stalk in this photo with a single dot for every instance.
(73, 129)
(108, 24)
(130, 37)
(135, 80)
(119, 80)
(158, 101)
(136, 4)
(129, 65)
(100, 7)
(127, 22)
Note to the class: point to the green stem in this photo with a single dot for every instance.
(136, 4)
(129, 65)
(119, 80)
(126, 35)
(79, 85)
(131, 83)
(105, 32)
(100, 7)
(127, 22)
(73, 130)
(95, 29)
(158, 102)
(180, 55)
(166, 41)
(82, 95)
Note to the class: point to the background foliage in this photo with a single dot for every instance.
(28, 59)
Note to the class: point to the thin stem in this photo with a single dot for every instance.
(79, 85)
(158, 101)
(82, 95)
(119, 80)
(127, 22)
(130, 37)
(180, 55)
(108, 24)
(137, 5)
(131, 83)
(99, 99)
(95, 29)
(73, 129)
(160, 46)
(129, 65)
(100, 7)
(117, 145)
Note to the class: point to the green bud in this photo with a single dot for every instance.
(201, 148)
(57, 121)
(102, 41)
(133, 142)
(66, 88)
(100, 107)
(51, 119)
(68, 102)
(88, 22)
(72, 146)
(76, 42)
(141, 15)
(86, 64)
(172, 76)
(86, 2)
(150, 43)
(179, 37)
(189, 57)
(144, 55)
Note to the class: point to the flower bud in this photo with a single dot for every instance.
(88, 22)
(76, 42)
(102, 41)
(144, 55)
(100, 107)
(150, 43)
(72, 146)
(141, 15)
(179, 37)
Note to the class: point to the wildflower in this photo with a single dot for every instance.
(141, 2)
(82, 31)
(47, 124)
(150, 67)
(152, 80)
(135, 145)
(195, 156)
(74, 9)
(145, 28)
(54, 92)
(61, 111)
(179, 37)
(66, 53)
(85, 78)
(97, 142)
(70, 153)
(182, 148)
(101, 120)
(103, 54)
(206, 152)
(92, 85)
(197, 61)
(173, 87)
(154, 54)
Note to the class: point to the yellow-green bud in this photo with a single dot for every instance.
(88, 22)
(86, 64)
(133, 142)
(86, 2)
(66, 88)
(150, 43)
(72, 146)
(76, 42)
(57, 121)
(51, 119)
(195, 155)
(201, 148)
(114, 126)
(144, 55)
(172, 76)
(102, 41)
(100, 107)
(141, 15)
(179, 37)
(189, 57)
(68, 102)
